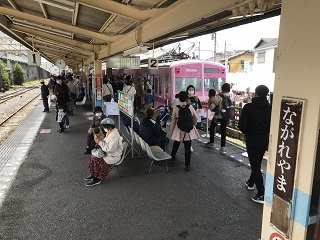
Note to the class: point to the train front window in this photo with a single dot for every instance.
(214, 83)
(183, 82)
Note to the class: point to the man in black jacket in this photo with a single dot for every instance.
(255, 123)
(44, 95)
(150, 130)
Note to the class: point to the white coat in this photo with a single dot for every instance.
(112, 146)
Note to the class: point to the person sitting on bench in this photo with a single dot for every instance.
(96, 122)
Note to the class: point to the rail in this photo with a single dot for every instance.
(16, 111)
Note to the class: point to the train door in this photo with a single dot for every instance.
(167, 87)
(151, 79)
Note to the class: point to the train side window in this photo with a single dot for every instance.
(160, 86)
(214, 83)
(156, 85)
(183, 82)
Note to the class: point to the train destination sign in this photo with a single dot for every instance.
(287, 147)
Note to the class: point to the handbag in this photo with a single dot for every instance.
(97, 152)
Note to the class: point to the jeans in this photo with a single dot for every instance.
(187, 151)
(255, 158)
(223, 130)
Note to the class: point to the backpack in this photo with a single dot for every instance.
(227, 111)
(185, 120)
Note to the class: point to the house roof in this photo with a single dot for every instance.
(238, 54)
(266, 42)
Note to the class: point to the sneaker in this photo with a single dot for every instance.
(89, 178)
(223, 149)
(209, 144)
(87, 151)
(258, 199)
(60, 131)
(93, 182)
(250, 187)
(187, 168)
(67, 126)
(191, 148)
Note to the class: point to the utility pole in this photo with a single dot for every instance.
(214, 37)
(225, 49)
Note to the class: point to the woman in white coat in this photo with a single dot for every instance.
(112, 147)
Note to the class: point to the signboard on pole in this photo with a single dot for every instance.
(34, 58)
(153, 63)
(125, 102)
(122, 62)
(285, 163)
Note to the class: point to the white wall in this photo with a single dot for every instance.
(267, 66)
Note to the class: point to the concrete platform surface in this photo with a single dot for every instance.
(47, 199)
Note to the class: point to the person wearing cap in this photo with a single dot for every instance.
(112, 146)
(44, 95)
(96, 122)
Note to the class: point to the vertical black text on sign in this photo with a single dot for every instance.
(286, 157)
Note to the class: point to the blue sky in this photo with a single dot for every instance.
(244, 37)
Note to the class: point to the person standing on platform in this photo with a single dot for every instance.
(139, 92)
(184, 119)
(51, 84)
(218, 101)
(73, 94)
(254, 122)
(114, 88)
(112, 146)
(194, 101)
(107, 90)
(128, 88)
(148, 100)
(66, 94)
(44, 95)
(61, 108)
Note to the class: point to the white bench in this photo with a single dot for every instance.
(82, 102)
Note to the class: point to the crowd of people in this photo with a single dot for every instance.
(104, 141)
(64, 91)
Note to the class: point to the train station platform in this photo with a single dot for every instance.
(43, 193)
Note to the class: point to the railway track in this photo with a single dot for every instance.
(7, 97)
(17, 110)
(15, 107)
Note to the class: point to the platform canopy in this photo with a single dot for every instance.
(82, 31)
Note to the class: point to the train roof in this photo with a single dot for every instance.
(186, 61)
(191, 61)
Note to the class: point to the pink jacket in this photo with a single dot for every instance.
(176, 133)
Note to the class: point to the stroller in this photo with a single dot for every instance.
(162, 113)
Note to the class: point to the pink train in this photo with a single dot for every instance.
(171, 78)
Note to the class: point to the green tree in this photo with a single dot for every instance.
(18, 74)
(4, 76)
